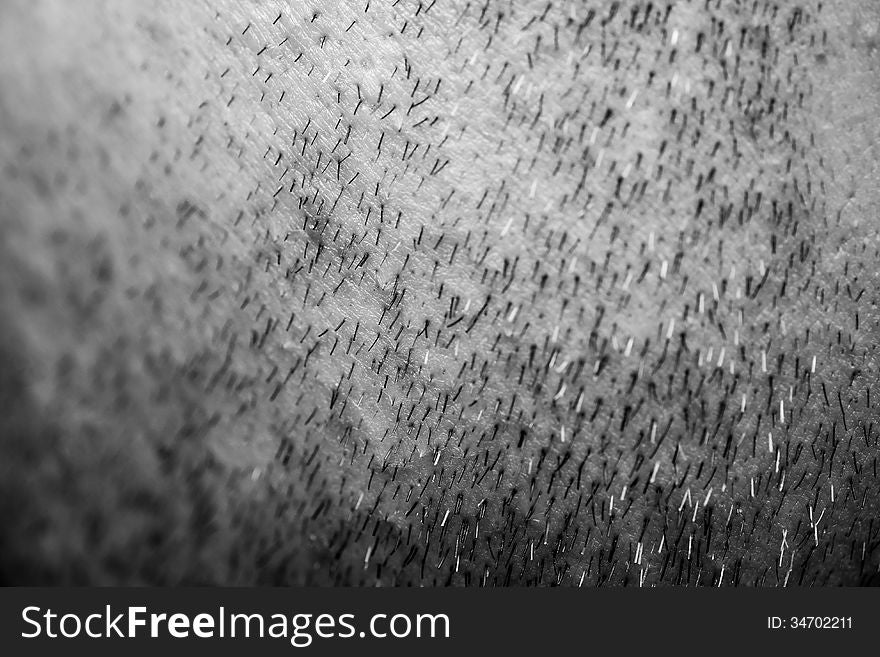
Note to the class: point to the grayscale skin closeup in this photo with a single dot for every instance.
(440, 292)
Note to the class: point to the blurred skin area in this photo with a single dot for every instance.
(439, 292)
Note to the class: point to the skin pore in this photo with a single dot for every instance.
(439, 292)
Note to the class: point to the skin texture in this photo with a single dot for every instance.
(439, 292)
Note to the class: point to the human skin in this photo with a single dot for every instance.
(439, 292)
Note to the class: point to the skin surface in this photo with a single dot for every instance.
(439, 292)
